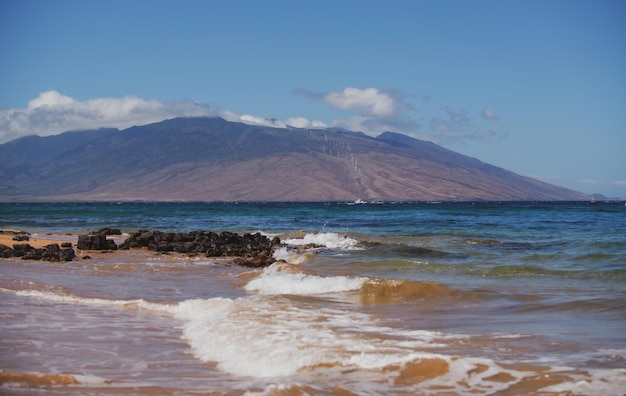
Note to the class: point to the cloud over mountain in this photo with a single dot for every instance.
(294, 122)
(369, 110)
(376, 110)
(373, 110)
(52, 113)
(369, 101)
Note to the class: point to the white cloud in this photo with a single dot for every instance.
(301, 122)
(377, 111)
(295, 122)
(230, 116)
(374, 126)
(52, 113)
(50, 98)
(254, 120)
(355, 123)
(369, 101)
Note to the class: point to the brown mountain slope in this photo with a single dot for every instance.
(213, 160)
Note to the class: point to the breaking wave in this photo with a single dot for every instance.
(330, 240)
(260, 336)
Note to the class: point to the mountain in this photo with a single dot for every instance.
(210, 159)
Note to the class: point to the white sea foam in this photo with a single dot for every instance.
(263, 337)
(330, 240)
(260, 337)
(73, 299)
(290, 256)
(272, 337)
(275, 280)
(68, 298)
(253, 337)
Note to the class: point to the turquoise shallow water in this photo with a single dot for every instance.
(533, 290)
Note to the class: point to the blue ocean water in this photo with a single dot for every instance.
(578, 239)
(513, 297)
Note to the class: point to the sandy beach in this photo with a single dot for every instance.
(36, 240)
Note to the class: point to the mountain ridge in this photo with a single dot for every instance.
(211, 159)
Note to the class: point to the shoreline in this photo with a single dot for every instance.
(37, 240)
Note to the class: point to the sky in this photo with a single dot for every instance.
(537, 87)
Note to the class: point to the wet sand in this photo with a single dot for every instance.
(36, 240)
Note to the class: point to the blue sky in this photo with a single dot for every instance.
(536, 87)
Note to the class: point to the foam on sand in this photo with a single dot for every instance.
(267, 335)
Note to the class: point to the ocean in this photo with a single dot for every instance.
(426, 298)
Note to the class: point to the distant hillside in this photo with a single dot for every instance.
(210, 159)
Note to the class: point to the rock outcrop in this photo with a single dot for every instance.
(250, 250)
(52, 252)
(97, 240)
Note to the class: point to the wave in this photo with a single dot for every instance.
(291, 256)
(289, 279)
(279, 339)
(259, 337)
(382, 291)
(330, 240)
(65, 298)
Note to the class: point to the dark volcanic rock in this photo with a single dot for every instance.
(258, 261)
(5, 251)
(20, 249)
(52, 252)
(253, 250)
(96, 241)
